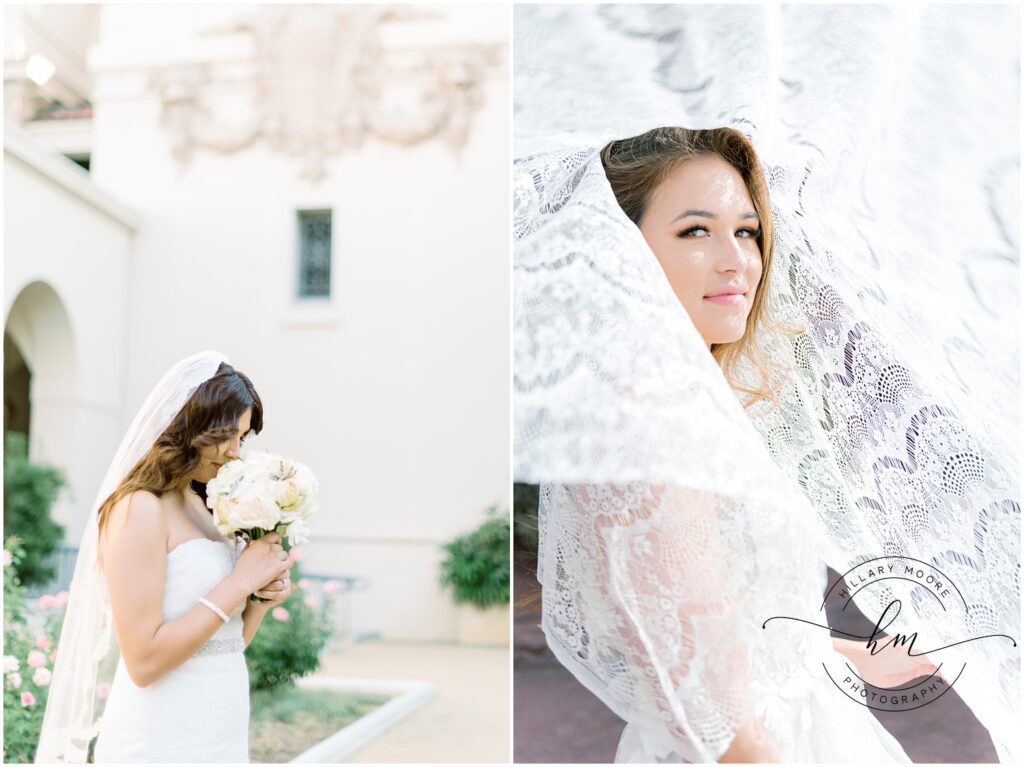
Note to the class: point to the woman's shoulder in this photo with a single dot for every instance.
(139, 499)
(139, 509)
(137, 521)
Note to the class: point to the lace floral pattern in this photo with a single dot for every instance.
(673, 521)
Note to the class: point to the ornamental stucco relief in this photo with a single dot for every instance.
(322, 80)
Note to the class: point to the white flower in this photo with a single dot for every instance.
(41, 677)
(248, 507)
(262, 490)
(15, 679)
(288, 494)
(11, 664)
(298, 532)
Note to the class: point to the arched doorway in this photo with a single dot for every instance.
(17, 378)
(41, 381)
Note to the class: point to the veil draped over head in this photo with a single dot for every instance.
(888, 137)
(87, 652)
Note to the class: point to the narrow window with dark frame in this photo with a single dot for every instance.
(314, 253)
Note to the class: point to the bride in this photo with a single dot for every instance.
(721, 394)
(153, 565)
(661, 579)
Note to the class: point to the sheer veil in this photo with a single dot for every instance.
(889, 138)
(87, 652)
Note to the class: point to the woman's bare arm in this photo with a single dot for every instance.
(134, 552)
(252, 617)
(751, 744)
(662, 560)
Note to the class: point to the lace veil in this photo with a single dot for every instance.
(889, 138)
(87, 652)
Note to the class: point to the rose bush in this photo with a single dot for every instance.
(292, 636)
(30, 633)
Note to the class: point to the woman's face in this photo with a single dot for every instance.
(702, 227)
(211, 458)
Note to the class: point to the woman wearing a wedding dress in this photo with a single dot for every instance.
(654, 592)
(153, 567)
(721, 395)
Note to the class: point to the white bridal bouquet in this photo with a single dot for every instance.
(260, 493)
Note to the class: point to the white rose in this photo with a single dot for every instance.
(230, 475)
(307, 480)
(288, 494)
(254, 507)
(11, 664)
(41, 677)
(218, 490)
(307, 486)
(15, 679)
(259, 460)
(281, 467)
(222, 516)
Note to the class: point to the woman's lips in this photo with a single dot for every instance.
(728, 299)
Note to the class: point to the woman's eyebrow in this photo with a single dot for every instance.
(707, 214)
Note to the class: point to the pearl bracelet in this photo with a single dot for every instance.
(212, 606)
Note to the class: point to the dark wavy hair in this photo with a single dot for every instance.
(210, 417)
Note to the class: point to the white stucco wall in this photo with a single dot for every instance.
(396, 393)
(67, 254)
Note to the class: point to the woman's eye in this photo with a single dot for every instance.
(692, 231)
(751, 233)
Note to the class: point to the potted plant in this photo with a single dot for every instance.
(476, 569)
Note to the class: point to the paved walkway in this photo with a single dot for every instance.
(467, 721)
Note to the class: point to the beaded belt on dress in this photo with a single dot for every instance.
(222, 647)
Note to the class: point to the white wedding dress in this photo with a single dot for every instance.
(199, 712)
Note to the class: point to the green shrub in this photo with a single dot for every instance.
(29, 493)
(284, 650)
(23, 717)
(476, 565)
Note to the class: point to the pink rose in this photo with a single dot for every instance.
(297, 553)
(36, 659)
(280, 614)
(46, 601)
(303, 583)
(7, 558)
(331, 586)
(61, 599)
(312, 601)
(28, 699)
(42, 677)
(102, 690)
(43, 642)
(53, 657)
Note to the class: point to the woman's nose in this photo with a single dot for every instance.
(731, 257)
(234, 449)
